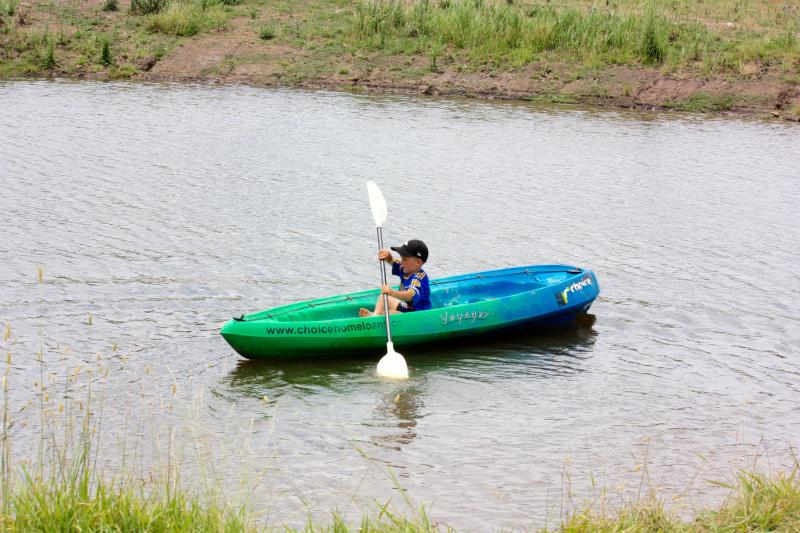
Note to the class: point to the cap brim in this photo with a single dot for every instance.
(403, 251)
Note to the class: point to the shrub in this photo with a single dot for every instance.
(111, 5)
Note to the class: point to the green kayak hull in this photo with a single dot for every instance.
(467, 305)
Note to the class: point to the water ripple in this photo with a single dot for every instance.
(163, 210)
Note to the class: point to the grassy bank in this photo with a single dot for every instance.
(512, 35)
(59, 486)
(718, 55)
(79, 502)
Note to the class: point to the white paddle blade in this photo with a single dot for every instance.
(392, 365)
(377, 204)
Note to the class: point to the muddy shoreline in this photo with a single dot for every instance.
(763, 99)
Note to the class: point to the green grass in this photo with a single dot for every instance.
(8, 7)
(756, 502)
(48, 56)
(68, 39)
(147, 7)
(81, 504)
(519, 33)
(267, 33)
(186, 18)
(105, 53)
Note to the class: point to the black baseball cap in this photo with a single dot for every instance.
(413, 248)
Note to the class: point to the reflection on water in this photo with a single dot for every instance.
(511, 354)
(398, 405)
(163, 210)
(400, 411)
(493, 357)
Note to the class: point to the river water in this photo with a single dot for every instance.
(157, 212)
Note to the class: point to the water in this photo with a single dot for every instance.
(163, 210)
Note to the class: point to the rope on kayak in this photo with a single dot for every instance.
(476, 276)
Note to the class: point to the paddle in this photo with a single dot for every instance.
(391, 365)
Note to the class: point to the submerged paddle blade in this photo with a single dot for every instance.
(377, 204)
(392, 365)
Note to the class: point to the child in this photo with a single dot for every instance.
(415, 292)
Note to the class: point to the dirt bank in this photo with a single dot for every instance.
(318, 44)
(219, 58)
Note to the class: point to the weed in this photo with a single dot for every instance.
(267, 33)
(111, 5)
(435, 53)
(652, 50)
(8, 7)
(626, 89)
(105, 59)
(48, 58)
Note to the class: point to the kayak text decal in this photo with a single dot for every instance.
(313, 330)
(563, 296)
(449, 318)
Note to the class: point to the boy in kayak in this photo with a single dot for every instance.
(415, 291)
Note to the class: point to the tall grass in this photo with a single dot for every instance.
(59, 488)
(49, 55)
(105, 59)
(652, 49)
(756, 502)
(147, 7)
(186, 17)
(503, 30)
(81, 505)
(8, 7)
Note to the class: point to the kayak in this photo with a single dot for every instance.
(469, 304)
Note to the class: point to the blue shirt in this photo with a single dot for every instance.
(417, 282)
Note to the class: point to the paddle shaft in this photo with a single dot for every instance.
(383, 282)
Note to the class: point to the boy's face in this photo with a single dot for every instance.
(410, 264)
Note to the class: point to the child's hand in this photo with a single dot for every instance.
(386, 290)
(384, 255)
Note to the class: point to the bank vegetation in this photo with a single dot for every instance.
(716, 55)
